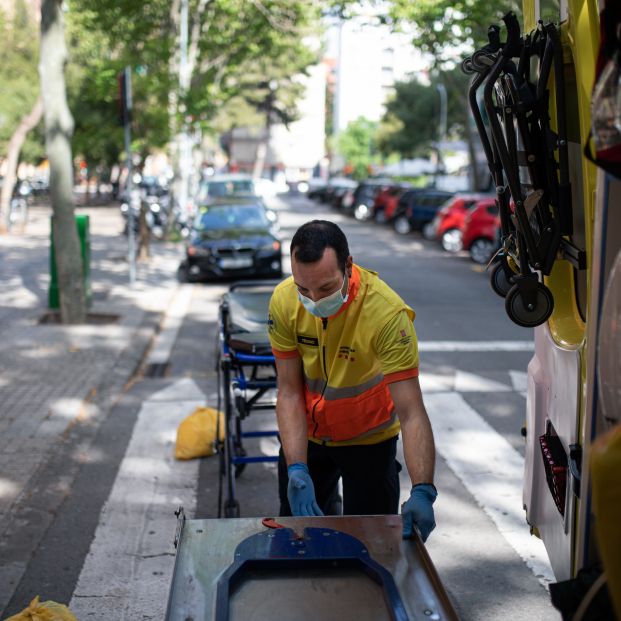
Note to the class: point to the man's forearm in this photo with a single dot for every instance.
(418, 448)
(292, 427)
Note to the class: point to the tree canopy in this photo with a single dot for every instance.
(357, 144)
(410, 126)
(450, 29)
(234, 48)
(19, 57)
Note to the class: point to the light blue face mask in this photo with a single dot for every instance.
(328, 306)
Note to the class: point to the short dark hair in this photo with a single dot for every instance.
(311, 240)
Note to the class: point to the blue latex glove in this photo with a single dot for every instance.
(301, 491)
(418, 511)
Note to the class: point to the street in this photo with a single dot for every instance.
(107, 549)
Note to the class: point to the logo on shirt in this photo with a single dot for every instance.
(347, 353)
(271, 326)
(308, 340)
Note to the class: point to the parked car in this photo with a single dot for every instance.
(233, 238)
(316, 187)
(418, 208)
(363, 197)
(448, 224)
(480, 235)
(217, 186)
(386, 202)
(336, 189)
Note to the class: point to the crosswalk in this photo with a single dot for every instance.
(128, 570)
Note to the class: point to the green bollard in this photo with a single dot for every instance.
(84, 235)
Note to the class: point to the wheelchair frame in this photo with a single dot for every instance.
(528, 162)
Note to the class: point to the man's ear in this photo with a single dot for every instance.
(349, 266)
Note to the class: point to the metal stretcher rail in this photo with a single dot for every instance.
(245, 378)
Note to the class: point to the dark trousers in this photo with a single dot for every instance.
(370, 476)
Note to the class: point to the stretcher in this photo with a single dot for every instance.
(303, 569)
(247, 381)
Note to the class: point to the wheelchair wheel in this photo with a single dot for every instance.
(499, 281)
(533, 315)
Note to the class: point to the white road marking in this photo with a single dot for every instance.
(492, 471)
(170, 326)
(469, 382)
(128, 570)
(475, 346)
(519, 379)
(434, 382)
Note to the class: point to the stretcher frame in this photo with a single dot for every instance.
(246, 375)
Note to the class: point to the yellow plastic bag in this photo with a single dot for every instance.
(44, 611)
(196, 434)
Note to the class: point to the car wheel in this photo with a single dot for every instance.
(429, 231)
(481, 250)
(402, 225)
(451, 240)
(380, 216)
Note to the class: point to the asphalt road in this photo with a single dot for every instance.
(119, 520)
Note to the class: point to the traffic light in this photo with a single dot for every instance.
(124, 97)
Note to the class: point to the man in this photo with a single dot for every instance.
(347, 365)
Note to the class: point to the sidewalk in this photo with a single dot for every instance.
(57, 383)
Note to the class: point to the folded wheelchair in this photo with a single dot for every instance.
(528, 161)
(246, 380)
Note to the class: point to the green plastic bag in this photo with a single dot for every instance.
(44, 611)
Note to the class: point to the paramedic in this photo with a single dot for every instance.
(347, 365)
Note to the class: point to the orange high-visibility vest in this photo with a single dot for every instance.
(349, 358)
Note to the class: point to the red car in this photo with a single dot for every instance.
(481, 235)
(448, 224)
(386, 203)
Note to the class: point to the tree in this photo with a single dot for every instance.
(358, 147)
(227, 40)
(450, 30)
(18, 63)
(58, 131)
(410, 126)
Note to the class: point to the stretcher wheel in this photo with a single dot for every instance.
(526, 317)
(231, 509)
(499, 281)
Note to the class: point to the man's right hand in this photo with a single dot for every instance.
(301, 491)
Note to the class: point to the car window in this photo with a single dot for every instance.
(230, 217)
(215, 189)
(492, 210)
(440, 199)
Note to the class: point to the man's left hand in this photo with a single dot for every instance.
(418, 511)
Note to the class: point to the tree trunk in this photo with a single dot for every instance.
(144, 235)
(58, 132)
(28, 122)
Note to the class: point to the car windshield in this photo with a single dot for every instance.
(231, 217)
(216, 189)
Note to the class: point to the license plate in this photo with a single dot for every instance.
(235, 262)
